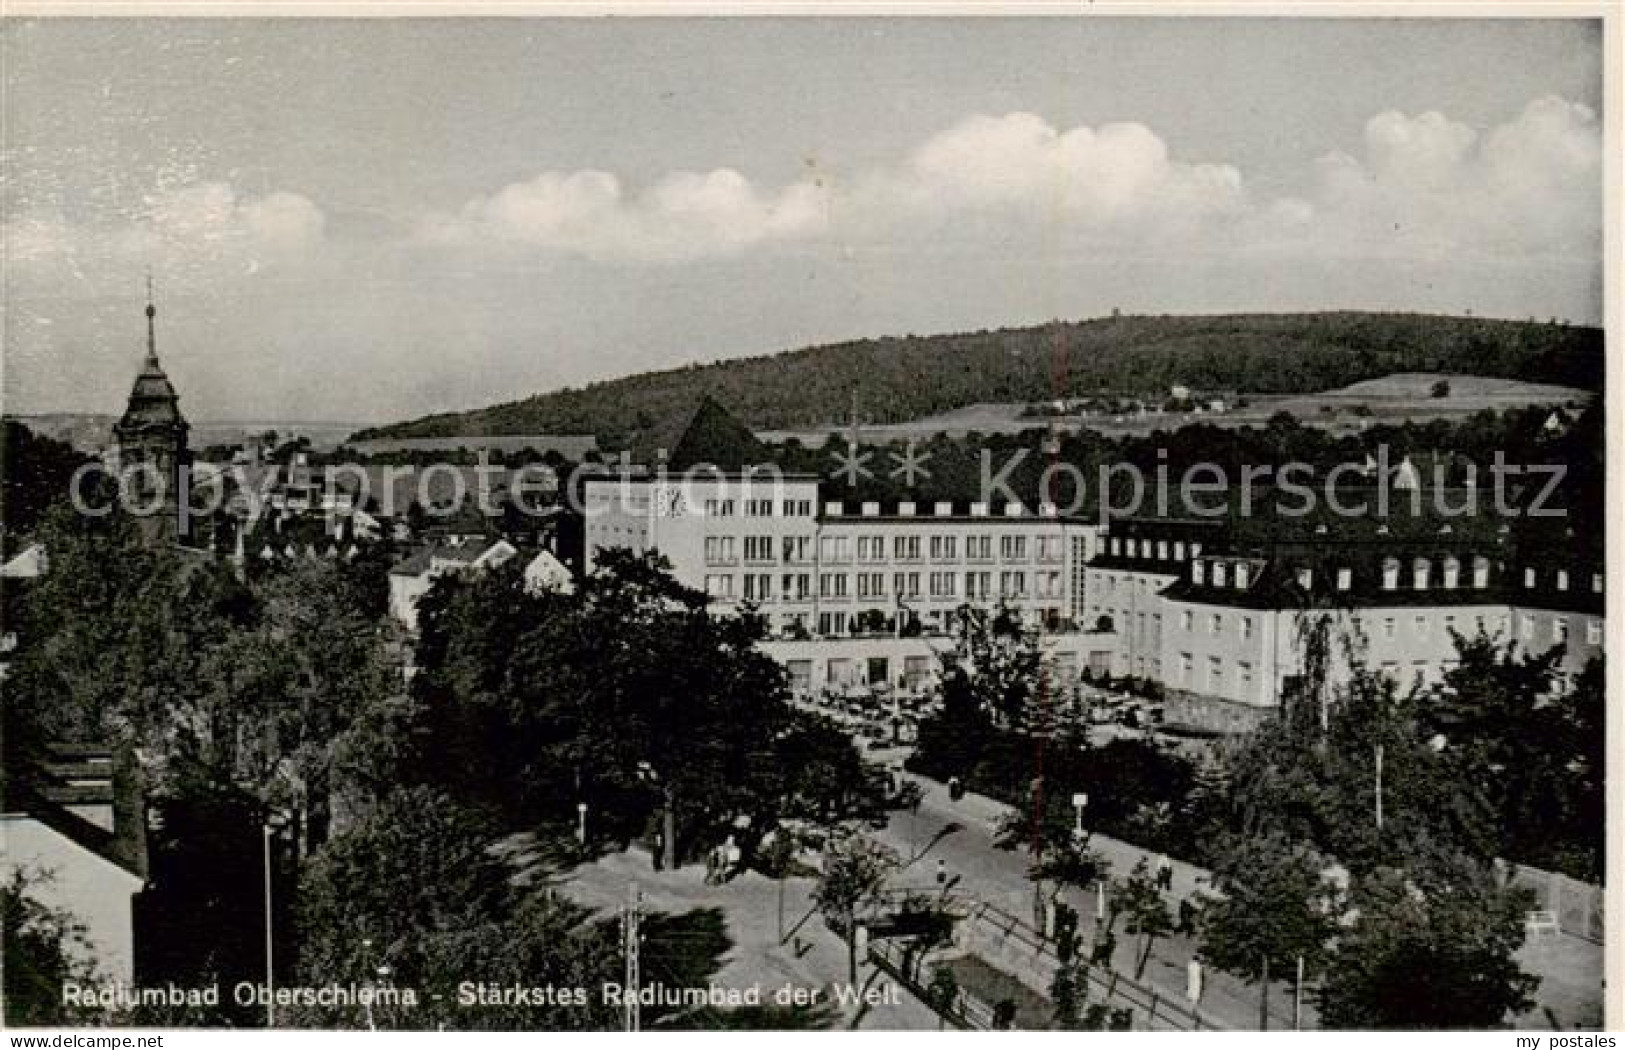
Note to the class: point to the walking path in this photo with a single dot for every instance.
(1000, 877)
(1570, 968)
(814, 959)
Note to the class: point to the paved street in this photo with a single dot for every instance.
(751, 906)
(1000, 877)
(1570, 968)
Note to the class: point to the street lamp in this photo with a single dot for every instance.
(267, 831)
(1079, 801)
(581, 823)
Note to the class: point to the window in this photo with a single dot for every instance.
(978, 585)
(942, 585)
(759, 508)
(1388, 626)
(1198, 572)
(1179, 550)
(1529, 577)
(1218, 574)
(1421, 570)
(1049, 585)
(1014, 548)
(758, 548)
(1345, 579)
(1013, 584)
(1562, 579)
(1242, 575)
(719, 550)
(1215, 675)
(979, 548)
(1184, 668)
(871, 548)
(1593, 632)
(719, 586)
(942, 548)
(1185, 621)
(1596, 583)
(906, 548)
(833, 549)
(1306, 579)
(1390, 573)
(1133, 547)
(797, 548)
(1452, 573)
(758, 587)
(1560, 629)
(1162, 550)
(1051, 548)
(1246, 627)
(796, 587)
(1422, 623)
(1117, 545)
(1215, 624)
(1244, 680)
(832, 585)
(1481, 572)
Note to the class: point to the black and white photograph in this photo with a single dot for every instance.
(520, 519)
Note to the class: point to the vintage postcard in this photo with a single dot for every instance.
(519, 519)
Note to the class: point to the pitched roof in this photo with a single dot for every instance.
(715, 438)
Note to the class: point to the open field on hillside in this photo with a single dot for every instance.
(1397, 398)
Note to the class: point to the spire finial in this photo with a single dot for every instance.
(152, 312)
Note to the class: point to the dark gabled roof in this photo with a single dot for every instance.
(415, 565)
(715, 438)
(79, 775)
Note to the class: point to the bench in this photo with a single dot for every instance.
(1541, 922)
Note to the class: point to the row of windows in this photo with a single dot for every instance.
(759, 508)
(720, 550)
(1560, 580)
(1161, 550)
(948, 585)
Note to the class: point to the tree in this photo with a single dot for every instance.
(1275, 903)
(1144, 910)
(999, 659)
(1430, 948)
(44, 948)
(630, 689)
(1505, 722)
(855, 871)
(390, 890)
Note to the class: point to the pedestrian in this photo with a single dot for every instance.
(942, 872)
(1165, 873)
(1187, 917)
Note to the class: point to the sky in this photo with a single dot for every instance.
(376, 219)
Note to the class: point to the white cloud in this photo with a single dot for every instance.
(1529, 186)
(1424, 185)
(683, 216)
(191, 230)
(1113, 178)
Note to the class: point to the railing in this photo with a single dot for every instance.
(1152, 1008)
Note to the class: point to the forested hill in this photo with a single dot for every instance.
(897, 379)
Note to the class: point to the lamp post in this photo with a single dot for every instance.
(1080, 801)
(581, 823)
(267, 832)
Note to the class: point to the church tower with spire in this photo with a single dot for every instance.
(152, 444)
